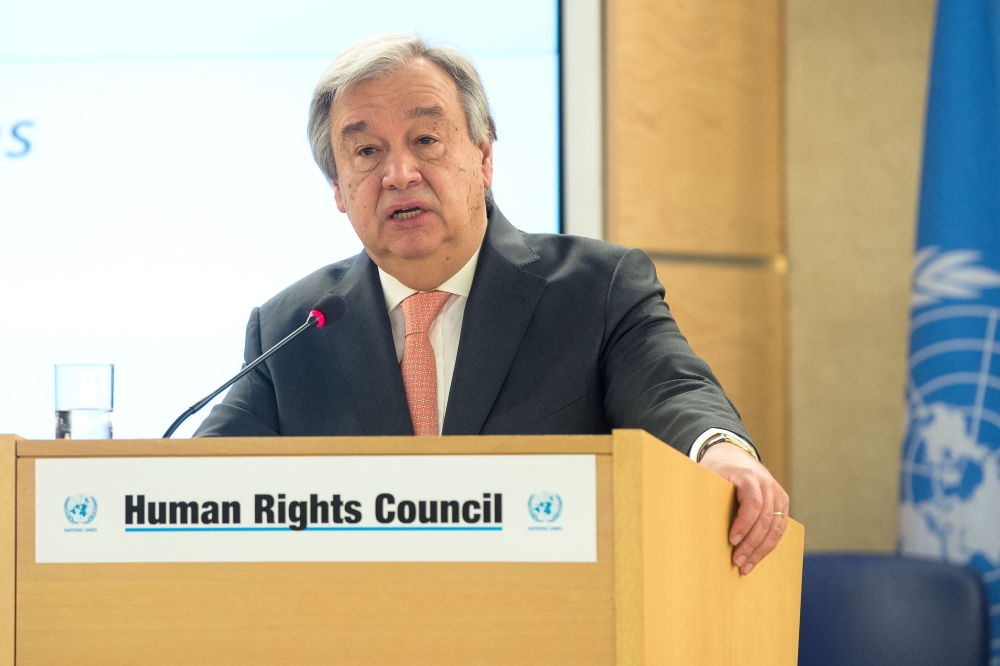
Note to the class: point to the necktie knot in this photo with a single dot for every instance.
(420, 310)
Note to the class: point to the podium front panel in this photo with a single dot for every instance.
(662, 589)
(315, 612)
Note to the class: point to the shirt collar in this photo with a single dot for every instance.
(459, 284)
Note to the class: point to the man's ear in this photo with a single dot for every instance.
(486, 148)
(339, 196)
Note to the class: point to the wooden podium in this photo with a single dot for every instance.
(663, 589)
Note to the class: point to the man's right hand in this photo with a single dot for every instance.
(763, 504)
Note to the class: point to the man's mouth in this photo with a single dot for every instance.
(406, 213)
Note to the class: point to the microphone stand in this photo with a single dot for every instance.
(310, 322)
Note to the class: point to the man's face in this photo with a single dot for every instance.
(408, 176)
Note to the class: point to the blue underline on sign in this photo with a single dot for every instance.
(314, 529)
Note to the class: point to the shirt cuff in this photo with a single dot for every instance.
(705, 437)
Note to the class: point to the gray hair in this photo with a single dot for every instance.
(380, 56)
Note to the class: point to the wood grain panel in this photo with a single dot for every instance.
(315, 613)
(315, 446)
(630, 612)
(724, 619)
(694, 125)
(8, 517)
(734, 317)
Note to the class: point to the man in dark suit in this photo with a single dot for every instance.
(458, 323)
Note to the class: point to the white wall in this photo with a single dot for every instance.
(168, 187)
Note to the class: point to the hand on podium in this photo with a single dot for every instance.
(763, 513)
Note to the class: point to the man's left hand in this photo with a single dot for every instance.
(758, 526)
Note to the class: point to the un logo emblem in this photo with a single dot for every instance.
(80, 509)
(950, 486)
(545, 507)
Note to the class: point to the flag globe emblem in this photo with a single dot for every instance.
(950, 485)
(80, 509)
(545, 507)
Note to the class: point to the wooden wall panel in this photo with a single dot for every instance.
(857, 90)
(734, 318)
(695, 176)
(694, 125)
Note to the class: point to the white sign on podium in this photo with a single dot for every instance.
(440, 508)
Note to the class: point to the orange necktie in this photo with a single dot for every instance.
(418, 366)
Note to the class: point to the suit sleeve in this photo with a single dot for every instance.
(250, 409)
(653, 379)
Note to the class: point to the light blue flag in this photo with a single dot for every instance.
(950, 491)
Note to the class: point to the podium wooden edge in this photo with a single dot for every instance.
(314, 446)
(627, 499)
(8, 546)
(650, 519)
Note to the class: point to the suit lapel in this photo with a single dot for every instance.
(500, 305)
(362, 346)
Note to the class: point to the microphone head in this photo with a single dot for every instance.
(329, 309)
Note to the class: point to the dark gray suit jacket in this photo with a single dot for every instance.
(561, 335)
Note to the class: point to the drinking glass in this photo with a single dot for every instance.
(84, 400)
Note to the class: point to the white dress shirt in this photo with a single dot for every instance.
(446, 331)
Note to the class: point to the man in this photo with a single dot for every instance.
(458, 323)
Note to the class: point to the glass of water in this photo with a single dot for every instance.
(84, 400)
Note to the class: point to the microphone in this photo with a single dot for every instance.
(329, 309)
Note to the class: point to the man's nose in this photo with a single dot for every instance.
(402, 171)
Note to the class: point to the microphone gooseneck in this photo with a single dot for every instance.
(329, 309)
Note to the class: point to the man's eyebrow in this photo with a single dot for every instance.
(424, 111)
(353, 128)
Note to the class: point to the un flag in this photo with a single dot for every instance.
(950, 491)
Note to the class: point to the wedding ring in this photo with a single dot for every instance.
(778, 513)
